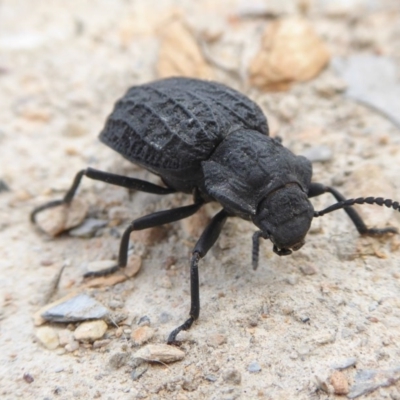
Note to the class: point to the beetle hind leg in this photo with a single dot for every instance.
(107, 177)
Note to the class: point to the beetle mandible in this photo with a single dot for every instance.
(204, 138)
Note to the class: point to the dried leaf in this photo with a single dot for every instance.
(180, 54)
(291, 51)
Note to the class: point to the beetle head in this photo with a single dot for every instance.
(285, 217)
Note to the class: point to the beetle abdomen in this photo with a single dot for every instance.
(174, 124)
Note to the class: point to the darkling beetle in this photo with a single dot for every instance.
(207, 139)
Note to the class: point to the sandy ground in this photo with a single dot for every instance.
(276, 333)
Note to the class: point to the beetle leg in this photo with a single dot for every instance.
(107, 177)
(316, 189)
(203, 245)
(148, 221)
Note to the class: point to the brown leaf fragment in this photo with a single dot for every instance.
(291, 51)
(180, 54)
(106, 280)
(133, 267)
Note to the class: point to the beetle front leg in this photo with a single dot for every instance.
(316, 189)
(203, 245)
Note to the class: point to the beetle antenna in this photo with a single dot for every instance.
(380, 201)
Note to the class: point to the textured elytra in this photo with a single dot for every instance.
(174, 124)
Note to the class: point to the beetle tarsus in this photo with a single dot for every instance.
(184, 327)
(43, 207)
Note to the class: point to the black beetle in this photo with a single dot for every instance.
(205, 138)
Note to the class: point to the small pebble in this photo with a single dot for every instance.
(320, 153)
(339, 382)
(91, 330)
(75, 309)
(28, 378)
(216, 340)
(117, 318)
(139, 371)
(164, 318)
(100, 265)
(142, 335)
(46, 263)
(232, 376)
(190, 384)
(115, 304)
(322, 384)
(48, 337)
(254, 367)
(119, 331)
(292, 279)
(21, 196)
(88, 228)
(288, 107)
(324, 338)
(145, 320)
(349, 362)
(308, 269)
(65, 336)
(74, 129)
(58, 219)
(118, 360)
(165, 282)
(304, 318)
(329, 86)
(101, 343)
(346, 333)
(160, 353)
(373, 306)
(72, 346)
